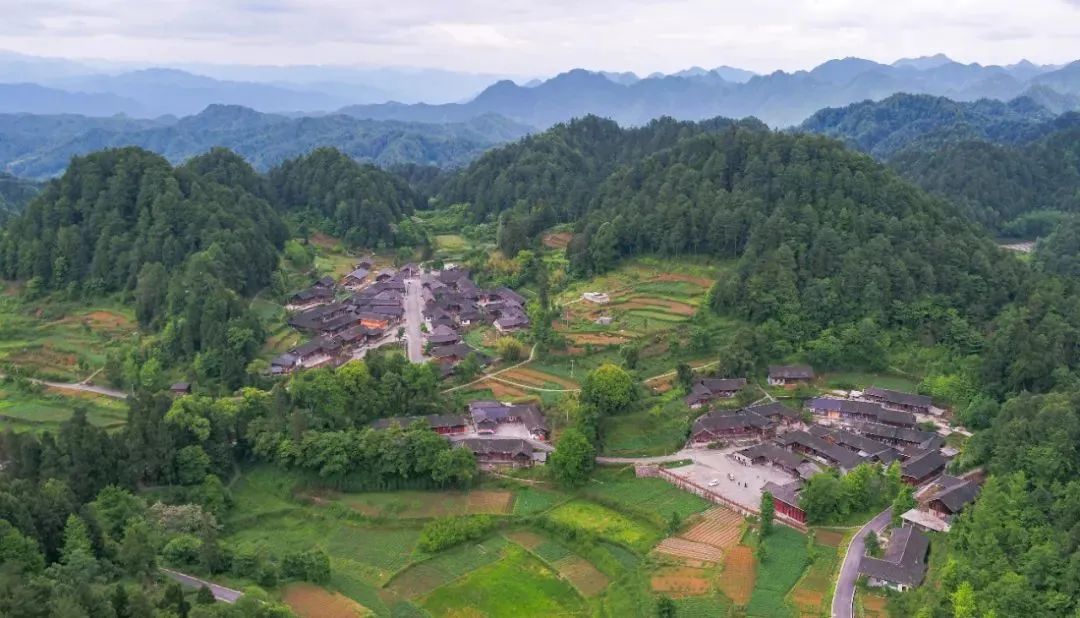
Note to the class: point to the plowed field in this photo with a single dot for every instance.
(740, 571)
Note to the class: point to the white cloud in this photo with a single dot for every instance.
(529, 37)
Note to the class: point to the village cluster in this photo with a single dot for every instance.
(366, 310)
(498, 433)
(784, 449)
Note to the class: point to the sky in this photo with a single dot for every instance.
(542, 37)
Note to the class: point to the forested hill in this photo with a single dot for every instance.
(15, 193)
(883, 128)
(40, 146)
(362, 204)
(1011, 189)
(561, 167)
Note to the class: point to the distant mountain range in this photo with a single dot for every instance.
(780, 99)
(39, 146)
(55, 86)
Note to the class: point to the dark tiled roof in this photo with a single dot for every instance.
(899, 398)
(904, 561)
(925, 439)
(488, 446)
(722, 421)
(862, 408)
(788, 493)
(706, 389)
(959, 495)
(791, 372)
(773, 410)
(774, 454)
(924, 465)
(359, 274)
(843, 457)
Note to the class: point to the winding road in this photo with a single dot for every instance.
(221, 593)
(843, 603)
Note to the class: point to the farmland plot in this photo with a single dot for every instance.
(719, 527)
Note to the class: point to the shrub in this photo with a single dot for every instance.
(312, 565)
(182, 550)
(510, 349)
(449, 531)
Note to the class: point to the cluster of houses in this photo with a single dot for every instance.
(453, 302)
(706, 390)
(498, 433)
(452, 299)
(338, 327)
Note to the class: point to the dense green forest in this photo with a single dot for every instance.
(360, 203)
(884, 128)
(39, 146)
(998, 184)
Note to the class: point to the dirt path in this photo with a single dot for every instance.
(85, 388)
(486, 376)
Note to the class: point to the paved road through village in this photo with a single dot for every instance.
(414, 317)
(844, 600)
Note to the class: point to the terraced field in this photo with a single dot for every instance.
(681, 581)
(719, 527)
(682, 548)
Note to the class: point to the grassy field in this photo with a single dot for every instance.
(659, 429)
(516, 585)
(425, 577)
(649, 497)
(863, 380)
(606, 523)
(785, 560)
(43, 409)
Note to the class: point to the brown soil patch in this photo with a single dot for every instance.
(682, 548)
(595, 339)
(310, 601)
(107, 319)
(740, 571)
(719, 527)
(681, 582)
(526, 539)
(45, 356)
(874, 606)
(497, 502)
(323, 241)
(807, 602)
(72, 393)
(702, 281)
(574, 351)
(829, 538)
(538, 378)
(502, 390)
(582, 575)
(558, 240)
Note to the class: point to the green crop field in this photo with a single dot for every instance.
(530, 500)
(606, 524)
(40, 409)
(424, 577)
(648, 431)
(516, 585)
(647, 496)
(786, 558)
